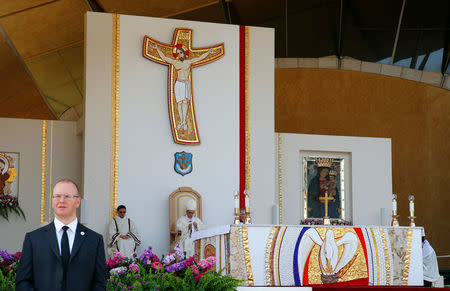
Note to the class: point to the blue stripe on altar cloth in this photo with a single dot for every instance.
(295, 263)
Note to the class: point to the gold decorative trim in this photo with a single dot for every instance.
(43, 169)
(268, 255)
(247, 108)
(50, 174)
(277, 252)
(280, 181)
(407, 258)
(115, 113)
(220, 252)
(386, 257)
(376, 252)
(227, 253)
(248, 262)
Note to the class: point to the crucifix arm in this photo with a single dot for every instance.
(201, 57)
(161, 55)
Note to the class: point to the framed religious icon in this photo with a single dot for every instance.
(9, 174)
(324, 186)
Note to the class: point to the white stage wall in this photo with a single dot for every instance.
(25, 136)
(371, 170)
(146, 147)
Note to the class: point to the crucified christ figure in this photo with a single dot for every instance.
(182, 86)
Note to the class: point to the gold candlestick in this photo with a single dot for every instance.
(248, 219)
(394, 221)
(236, 208)
(411, 210)
(236, 216)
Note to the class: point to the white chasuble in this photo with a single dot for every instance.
(122, 227)
(185, 239)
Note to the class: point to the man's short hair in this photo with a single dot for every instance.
(69, 181)
(121, 207)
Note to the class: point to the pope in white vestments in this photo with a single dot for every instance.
(430, 264)
(122, 235)
(186, 225)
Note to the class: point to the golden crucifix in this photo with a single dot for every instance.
(181, 57)
(326, 219)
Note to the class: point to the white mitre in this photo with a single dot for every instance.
(190, 205)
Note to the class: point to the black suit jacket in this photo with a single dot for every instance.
(40, 266)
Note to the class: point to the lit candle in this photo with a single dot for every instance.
(411, 203)
(236, 200)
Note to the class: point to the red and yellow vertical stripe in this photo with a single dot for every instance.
(244, 112)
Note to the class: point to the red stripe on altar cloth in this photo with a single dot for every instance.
(305, 280)
(242, 146)
(363, 245)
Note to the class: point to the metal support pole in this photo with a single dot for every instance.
(340, 32)
(397, 32)
(286, 45)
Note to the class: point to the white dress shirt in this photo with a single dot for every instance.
(70, 232)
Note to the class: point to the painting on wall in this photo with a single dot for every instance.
(9, 174)
(9, 185)
(323, 176)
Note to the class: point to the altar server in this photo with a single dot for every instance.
(123, 235)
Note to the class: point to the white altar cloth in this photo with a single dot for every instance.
(282, 255)
(213, 231)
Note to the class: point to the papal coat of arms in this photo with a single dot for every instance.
(183, 163)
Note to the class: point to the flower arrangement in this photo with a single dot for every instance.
(172, 272)
(148, 272)
(319, 221)
(8, 269)
(9, 204)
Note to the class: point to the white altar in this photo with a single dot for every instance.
(300, 255)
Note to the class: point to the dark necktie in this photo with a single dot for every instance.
(65, 251)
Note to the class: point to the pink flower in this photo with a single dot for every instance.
(207, 263)
(133, 267)
(17, 255)
(118, 257)
(203, 264)
(154, 258)
(157, 265)
(211, 260)
(198, 277)
(111, 263)
(190, 261)
(194, 269)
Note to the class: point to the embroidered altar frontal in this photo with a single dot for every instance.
(337, 255)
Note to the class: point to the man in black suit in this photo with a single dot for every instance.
(63, 255)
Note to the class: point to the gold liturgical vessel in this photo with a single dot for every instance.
(394, 211)
(236, 208)
(411, 210)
